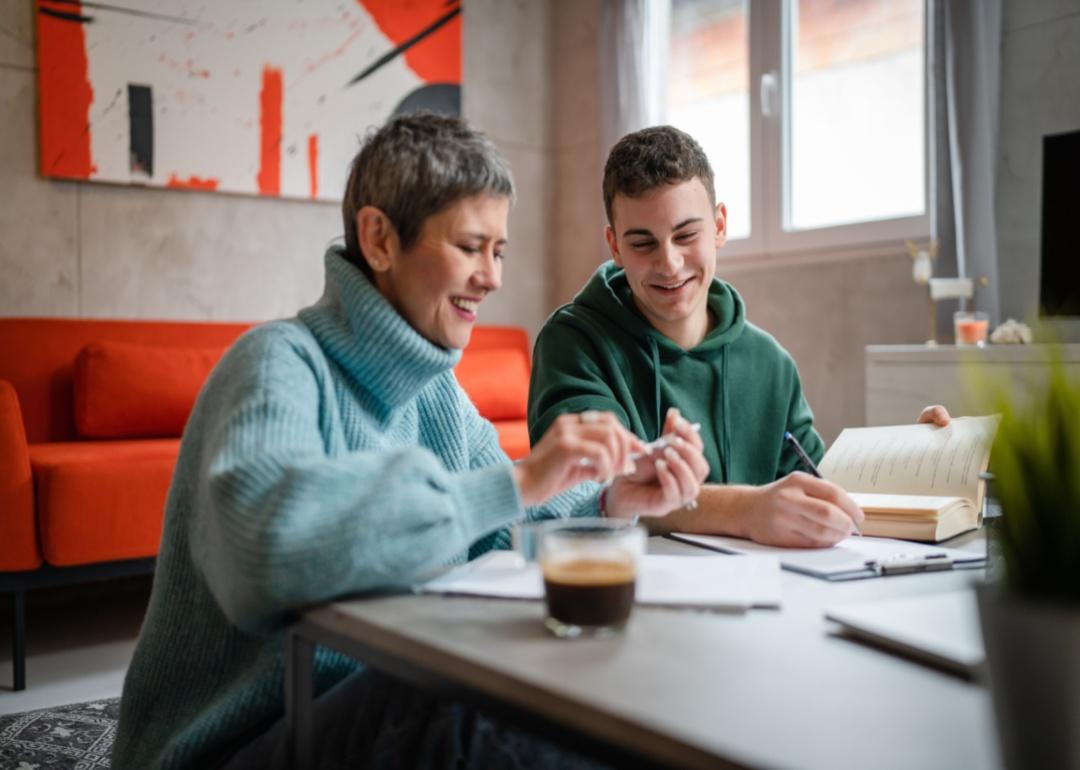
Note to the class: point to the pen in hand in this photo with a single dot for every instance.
(807, 463)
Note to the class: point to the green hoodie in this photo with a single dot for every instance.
(599, 352)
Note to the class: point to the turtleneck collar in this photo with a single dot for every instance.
(369, 339)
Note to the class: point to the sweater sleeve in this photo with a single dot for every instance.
(579, 501)
(281, 523)
(566, 379)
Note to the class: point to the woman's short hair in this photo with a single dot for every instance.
(651, 158)
(415, 166)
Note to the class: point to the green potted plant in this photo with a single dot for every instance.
(1030, 616)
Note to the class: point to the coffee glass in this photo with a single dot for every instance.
(590, 569)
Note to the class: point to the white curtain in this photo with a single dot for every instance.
(633, 66)
(965, 59)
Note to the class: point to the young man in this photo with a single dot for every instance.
(655, 329)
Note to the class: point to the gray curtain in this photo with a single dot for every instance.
(633, 66)
(965, 57)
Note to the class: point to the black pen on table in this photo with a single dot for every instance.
(804, 458)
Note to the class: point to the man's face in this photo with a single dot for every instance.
(666, 241)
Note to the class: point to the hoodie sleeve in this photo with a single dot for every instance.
(566, 379)
(800, 422)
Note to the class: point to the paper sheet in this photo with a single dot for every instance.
(715, 582)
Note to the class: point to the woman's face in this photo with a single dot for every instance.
(438, 284)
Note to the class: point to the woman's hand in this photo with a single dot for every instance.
(591, 446)
(668, 479)
(935, 415)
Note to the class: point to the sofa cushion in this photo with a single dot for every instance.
(497, 382)
(514, 437)
(132, 390)
(101, 501)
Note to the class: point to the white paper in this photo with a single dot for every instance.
(850, 555)
(714, 582)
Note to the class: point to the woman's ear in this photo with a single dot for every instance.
(378, 239)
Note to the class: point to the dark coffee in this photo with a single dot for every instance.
(589, 592)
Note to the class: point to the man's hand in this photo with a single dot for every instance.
(935, 415)
(799, 511)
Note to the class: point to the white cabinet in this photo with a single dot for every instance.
(902, 379)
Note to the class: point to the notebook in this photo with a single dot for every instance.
(706, 582)
(941, 629)
(853, 558)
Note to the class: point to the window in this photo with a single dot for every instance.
(813, 114)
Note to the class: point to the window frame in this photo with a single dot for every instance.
(770, 38)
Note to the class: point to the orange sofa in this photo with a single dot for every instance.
(91, 412)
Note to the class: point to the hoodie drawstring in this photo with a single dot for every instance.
(725, 420)
(656, 384)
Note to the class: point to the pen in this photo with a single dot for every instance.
(804, 458)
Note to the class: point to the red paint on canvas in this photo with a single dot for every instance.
(313, 163)
(269, 178)
(65, 96)
(436, 58)
(192, 182)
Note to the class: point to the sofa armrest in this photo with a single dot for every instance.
(19, 548)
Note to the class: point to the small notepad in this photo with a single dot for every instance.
(707, 582)
(851, 558)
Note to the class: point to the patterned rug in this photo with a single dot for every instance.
(76, 737)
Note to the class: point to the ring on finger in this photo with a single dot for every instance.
(589, 416)
(690, 504)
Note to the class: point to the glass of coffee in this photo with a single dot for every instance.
(590, 567)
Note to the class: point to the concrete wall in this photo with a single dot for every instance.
(84, 249)
(1040, 94)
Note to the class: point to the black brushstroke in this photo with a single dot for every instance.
(66, 16)
(141, 128)
(388, 57)
(122, 9)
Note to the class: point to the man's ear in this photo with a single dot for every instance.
(721, 225)
(613, 245)
(378, 238)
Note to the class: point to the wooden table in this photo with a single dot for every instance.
(764, 689)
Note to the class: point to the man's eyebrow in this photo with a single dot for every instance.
(680, 226)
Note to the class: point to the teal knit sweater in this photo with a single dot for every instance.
(329, 454)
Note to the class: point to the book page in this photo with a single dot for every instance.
(913, 459)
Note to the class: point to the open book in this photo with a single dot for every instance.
(915, 482)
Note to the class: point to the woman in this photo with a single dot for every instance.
(335, 453)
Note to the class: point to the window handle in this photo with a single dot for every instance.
(768, 94)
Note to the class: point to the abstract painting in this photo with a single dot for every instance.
(268, 97)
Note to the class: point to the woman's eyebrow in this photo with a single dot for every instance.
(482, 237)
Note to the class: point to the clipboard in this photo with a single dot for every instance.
(855, 558)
